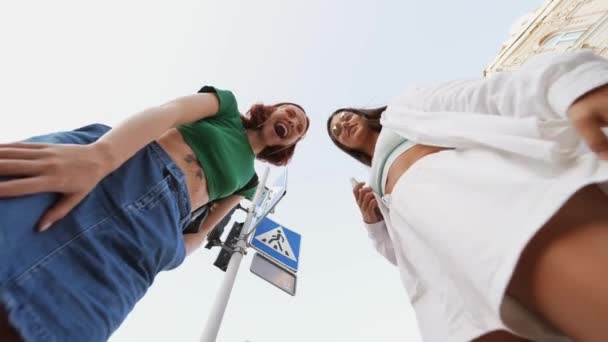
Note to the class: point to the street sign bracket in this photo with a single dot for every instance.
(235, 249)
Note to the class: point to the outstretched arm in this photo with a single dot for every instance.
(74, 170)
(546, 85)
(571, 85)
(123, 141)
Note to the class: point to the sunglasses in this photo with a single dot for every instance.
(338, 127)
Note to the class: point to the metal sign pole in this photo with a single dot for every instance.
(214, 320)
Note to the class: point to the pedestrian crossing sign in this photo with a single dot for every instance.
(277, 243)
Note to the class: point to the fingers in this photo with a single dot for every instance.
(19, 167)
(367, 203)
(371, 205)
(59, 210)
(20, 153)
(366, 199)
(356, 190)
(359, 192)
(364, 196)
(378, 213)
(23, 186)
(590, 129)
(24, 145)
(370, 208)
(588, 115)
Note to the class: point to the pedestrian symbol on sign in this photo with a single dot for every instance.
(278, 238)
(275, 239)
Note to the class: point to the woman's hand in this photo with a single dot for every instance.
(589, 114)
(72, 170)
(367, 204)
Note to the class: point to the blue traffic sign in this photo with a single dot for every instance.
(278, 243)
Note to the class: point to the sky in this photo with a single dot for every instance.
(67, 63)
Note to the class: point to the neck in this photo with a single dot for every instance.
(255, 140)
(370, 147)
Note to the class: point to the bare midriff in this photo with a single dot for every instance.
(406, 160)
(177, 148)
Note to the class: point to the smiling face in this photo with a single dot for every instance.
(349, 129)
(286, 125)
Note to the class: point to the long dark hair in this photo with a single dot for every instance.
(255, 117)
(371, 116)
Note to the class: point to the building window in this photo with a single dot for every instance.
(563, 39)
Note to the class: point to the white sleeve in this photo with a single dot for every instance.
(382, 242)
(546, 85)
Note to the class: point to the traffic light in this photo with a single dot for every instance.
(223, 258)
(214, 237)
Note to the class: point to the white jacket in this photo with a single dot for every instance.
(522, 112)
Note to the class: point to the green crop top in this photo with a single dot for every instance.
(222, 148)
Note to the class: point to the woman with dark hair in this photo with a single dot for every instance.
(89, 217)
(371, 117)
(484, 195)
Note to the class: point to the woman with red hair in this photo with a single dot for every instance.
(89, 217)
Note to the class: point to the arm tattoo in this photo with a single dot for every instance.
(190, 158)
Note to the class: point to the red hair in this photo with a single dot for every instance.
(255, 118)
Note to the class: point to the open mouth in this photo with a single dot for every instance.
(281, 130)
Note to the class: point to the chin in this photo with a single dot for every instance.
(271, 138)
(358, 135)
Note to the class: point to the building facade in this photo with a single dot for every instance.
(558, 25)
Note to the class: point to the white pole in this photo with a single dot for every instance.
(221, 300)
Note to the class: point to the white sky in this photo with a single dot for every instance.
(68, 63)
